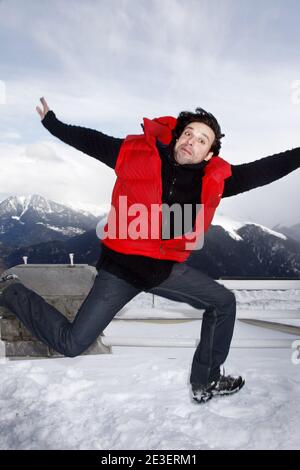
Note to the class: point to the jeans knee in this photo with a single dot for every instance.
(228, 299)
(73, 349)
(71, 353)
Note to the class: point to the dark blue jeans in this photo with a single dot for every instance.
(110, 293)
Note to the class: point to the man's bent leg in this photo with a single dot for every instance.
(190, 285)
(106, 297)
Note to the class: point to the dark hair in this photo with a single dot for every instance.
(200, 115)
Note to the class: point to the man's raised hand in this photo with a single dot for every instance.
(44, 111)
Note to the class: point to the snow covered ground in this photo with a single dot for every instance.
(138, 398)
(264, 299)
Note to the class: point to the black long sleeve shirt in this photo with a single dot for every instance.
(142, 271)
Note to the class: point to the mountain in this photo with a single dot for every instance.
(244, 249)
(292, 232)
(86, 249)
(25, 221)
(5, 251)
(231, 248)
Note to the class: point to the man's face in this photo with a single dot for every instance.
(194, 144)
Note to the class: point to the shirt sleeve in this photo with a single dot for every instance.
(89, 141)
(261, 172)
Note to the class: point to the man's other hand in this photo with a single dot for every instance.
(44, 111)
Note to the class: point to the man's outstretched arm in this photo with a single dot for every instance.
(261, 172)
(94, 143)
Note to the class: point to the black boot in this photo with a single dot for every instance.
(225, 385)
(7, 280)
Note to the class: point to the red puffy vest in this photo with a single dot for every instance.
(135, 220)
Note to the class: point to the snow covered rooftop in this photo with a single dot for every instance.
(138, 398)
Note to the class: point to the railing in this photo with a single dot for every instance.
(259, 317)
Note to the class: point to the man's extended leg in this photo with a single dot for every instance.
(107, 296)
(190, 285)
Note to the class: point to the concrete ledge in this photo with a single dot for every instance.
(64, 287)
(37, 349)
(56, 279)
(23, 349)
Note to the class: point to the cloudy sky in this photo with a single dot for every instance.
(106, 64)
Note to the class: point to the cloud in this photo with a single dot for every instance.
(9, 135)
(54, 171)
(106, 65)
(42, 152)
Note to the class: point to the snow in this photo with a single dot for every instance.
(69, 230)
(232, 226)
(264, 299)
(271, 232)
(229, 225)
(139, 398)
(22, 199)
(25, 206)
(141, 401)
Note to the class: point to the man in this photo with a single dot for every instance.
(173, 161)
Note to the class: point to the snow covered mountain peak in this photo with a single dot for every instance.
(32, 219)
(232, 227)
(18, 205)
